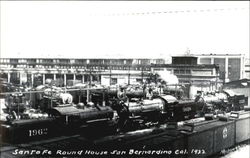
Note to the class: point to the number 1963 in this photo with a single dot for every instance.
(38, 132)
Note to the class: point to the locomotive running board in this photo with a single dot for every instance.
(98, 120)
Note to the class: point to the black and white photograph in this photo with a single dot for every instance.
(124, 79)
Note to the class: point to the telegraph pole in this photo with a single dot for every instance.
(110, 74)
(142, 75)
(129, 75)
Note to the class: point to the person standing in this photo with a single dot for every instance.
(121, 94)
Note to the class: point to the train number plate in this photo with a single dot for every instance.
(38, 132)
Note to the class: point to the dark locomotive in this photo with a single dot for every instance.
(55, 112)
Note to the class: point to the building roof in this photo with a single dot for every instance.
(92, 58)
(185, 56)
(184, 65)
(243, 83)
(230, 92)
(212, 54)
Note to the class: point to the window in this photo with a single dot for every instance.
(113, 81)
(14, 61)
(22, 61)
(176, 71)
(139, 80)
(182, 72)
(72, 61)
(188, 71)
(158, 69)
(64, 61)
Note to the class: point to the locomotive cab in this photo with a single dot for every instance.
(237, 101)
(16, 102)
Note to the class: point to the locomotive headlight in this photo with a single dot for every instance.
(115, 115)
(161, 106)
(186, 109)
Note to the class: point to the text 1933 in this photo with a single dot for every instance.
(198, 151)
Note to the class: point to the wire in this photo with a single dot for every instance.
(175, 12)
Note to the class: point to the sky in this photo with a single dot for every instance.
(109, 29)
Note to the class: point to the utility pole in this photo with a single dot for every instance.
(142, 75)
(128, 75)
(110, 73)
(89, 86)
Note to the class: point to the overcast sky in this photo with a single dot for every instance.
(85, 29)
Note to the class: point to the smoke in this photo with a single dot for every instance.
(168, 77)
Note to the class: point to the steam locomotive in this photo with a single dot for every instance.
(57, 114)
(221, 101)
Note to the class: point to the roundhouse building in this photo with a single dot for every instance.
(232, 66)
(193, 72)
(35, 71)
(192, 76)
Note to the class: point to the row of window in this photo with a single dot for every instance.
(85, 61)
(193, 72)
(179, 71)
(79, 67)
(114, 81)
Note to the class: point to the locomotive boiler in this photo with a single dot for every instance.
(153, 110)
(159, 104)
(159, 110)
